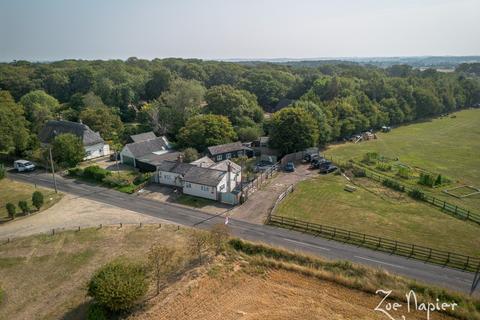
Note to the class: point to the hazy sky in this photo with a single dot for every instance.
(103, 29)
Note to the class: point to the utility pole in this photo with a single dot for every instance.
(53, 169)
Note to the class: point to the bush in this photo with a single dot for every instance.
(11, 210)
(141, 178)
(37, 199)
(96, 312)
(190, 155)
(416, 194)
(2, 171)
(382, 166)
(358, 172)
(23, 205)
(404, 172)
(96, 173)
(75, 172)
(116, 181)
(426, 179)
(370, 158)
(393, 185)
(118, 285)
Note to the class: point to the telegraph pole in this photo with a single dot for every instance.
(53, 169)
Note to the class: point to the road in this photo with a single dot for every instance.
(431, 274)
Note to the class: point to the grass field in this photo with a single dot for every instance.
(13, 191)
(448, 146)
(45, 277)
(379, 211)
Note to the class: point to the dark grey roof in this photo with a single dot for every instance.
(143, 148)
(53, 128)
(143, 136)
(157, 159)
(205, 176)
(224, 148)
(175, 167)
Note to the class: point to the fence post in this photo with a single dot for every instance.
(53, 232)
(456, 210)
(413, 250)
(467, 263)
(429, 254)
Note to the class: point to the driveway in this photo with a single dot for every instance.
(258, 205)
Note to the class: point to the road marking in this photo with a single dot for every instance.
(306, 244)
(381, 262)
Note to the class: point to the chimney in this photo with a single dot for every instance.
(180, 158)
(80, 121)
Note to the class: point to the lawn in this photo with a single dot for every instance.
(13, 191)
(379, 211)
(195, 202)
(449, 146)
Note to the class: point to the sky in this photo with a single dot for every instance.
(46, 30)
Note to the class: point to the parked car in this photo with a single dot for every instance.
(263, 165)
(289, 167)
(328, 169)
(310, 156)
(317, 163)
(23, 165)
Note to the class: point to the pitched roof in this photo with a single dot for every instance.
(156, 159)
(143, 136)
(223, 148)
(204, 176)
(175, 167)
(223, 166)
(55, 127)
(143, 148)
(203, 162)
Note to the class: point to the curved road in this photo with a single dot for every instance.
(431, 274)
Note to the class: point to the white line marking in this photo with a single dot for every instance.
(381, 262)
(306, 244)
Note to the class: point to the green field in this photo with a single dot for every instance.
(379, 211)
(449, 146)
(13, 191)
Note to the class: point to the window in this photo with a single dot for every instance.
(229, 155)
(222, 187)
(204, 188)
(166, 177)
(88, 153)
(188, 185)
(219, 157)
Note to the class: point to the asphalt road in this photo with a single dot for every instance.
(423, 272)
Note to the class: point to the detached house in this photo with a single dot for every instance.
(147, 151)
(216, 182)
(93, 143)
(226, 151)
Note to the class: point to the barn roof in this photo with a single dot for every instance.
(54, 128)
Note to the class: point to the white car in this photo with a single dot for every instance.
(23, 165)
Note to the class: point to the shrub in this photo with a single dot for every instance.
(416, 194)
(2, 172)
(37, 199)
(96, 312)
(141, 178)
(23, 205)
(118, 285)
(11, 210)
(404, 172)
(393, 185)
(190, 154)
(382, 166)
(370, 157)
(116, 181)
(426, 179)
(96, 173)
(75, 172)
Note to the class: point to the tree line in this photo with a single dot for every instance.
(200, 103)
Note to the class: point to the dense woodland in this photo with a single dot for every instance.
(200, 103)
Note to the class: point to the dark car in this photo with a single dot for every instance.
(289, 167)
(317, 163)
(328, 169)
(309, 157)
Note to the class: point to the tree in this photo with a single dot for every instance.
(37, 199)
(118, 285)
(190, 155)
(2, 171)
(293, 129)
(39, 107)
(103, 120)
(159, 82)
(23, 205)
(198, 243)
(239, 106)
(320, 117)
(13, 126)
(67, 150)
(11, 210)
(219, 235)
(203, 131)
(161, 260)
(248, 133)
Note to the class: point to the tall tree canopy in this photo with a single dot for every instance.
(13, 126)
(104, 120)
(39, 107)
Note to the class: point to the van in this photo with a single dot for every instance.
(23, 165)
